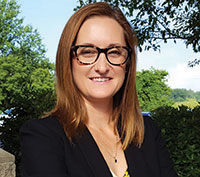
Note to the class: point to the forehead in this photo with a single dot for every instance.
(100, 29)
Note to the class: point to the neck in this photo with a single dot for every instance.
(99, 113)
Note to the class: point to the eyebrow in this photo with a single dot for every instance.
(110, 45)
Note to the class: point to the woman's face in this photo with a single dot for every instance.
(100, 80)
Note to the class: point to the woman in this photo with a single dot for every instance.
(96, 127)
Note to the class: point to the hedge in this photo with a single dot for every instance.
(181, 130)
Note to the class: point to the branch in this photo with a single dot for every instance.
(194, 62)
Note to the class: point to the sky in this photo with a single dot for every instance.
(49, 18)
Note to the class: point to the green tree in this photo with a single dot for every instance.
(25, 84)
(180, 95)
(26, 73)
(197, 96)
(152, 89)
(156, 21)
(26, 79)
(15, 38)
(189, 102)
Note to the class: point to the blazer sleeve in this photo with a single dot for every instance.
(42, 149)
(165, 163)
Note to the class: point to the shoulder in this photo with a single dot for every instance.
(148, 121)
(152, 133)
(43, 145)
(42, 122)
(154, 147)
(45, 126)
(150, 126)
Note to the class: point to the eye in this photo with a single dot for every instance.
(87, 51)
(114, 52)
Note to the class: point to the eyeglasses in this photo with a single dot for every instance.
(87, 54)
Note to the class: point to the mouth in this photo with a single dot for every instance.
(100, 79)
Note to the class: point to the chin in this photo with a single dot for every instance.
(100, 97)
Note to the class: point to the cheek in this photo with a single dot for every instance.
(121, 77)
(78, 72)
(75, 71)
(122, 72)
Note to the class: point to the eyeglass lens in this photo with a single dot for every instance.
(89, 54)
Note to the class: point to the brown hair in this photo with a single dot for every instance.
(70, 109)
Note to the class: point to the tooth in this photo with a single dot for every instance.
(100, 79)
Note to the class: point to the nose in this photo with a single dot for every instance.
(102, 65)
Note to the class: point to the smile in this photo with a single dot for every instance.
(100, 79)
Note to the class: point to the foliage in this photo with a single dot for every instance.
(152, 89)
(25, 83)
(16, 38)
(194, 62)
(180, 95)
(180, 129)
(27, 77)
(197, 96)
(190, 103)
(156, 21)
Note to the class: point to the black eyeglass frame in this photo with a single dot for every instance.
(100, 50)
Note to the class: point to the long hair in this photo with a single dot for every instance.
(70, 108)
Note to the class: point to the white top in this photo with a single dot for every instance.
(113, 173)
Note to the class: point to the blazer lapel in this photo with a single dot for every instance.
(93, 155)
(136, 162)
(134, 157)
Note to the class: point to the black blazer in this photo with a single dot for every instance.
(46, 152)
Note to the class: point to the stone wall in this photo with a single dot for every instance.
(7, 164)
